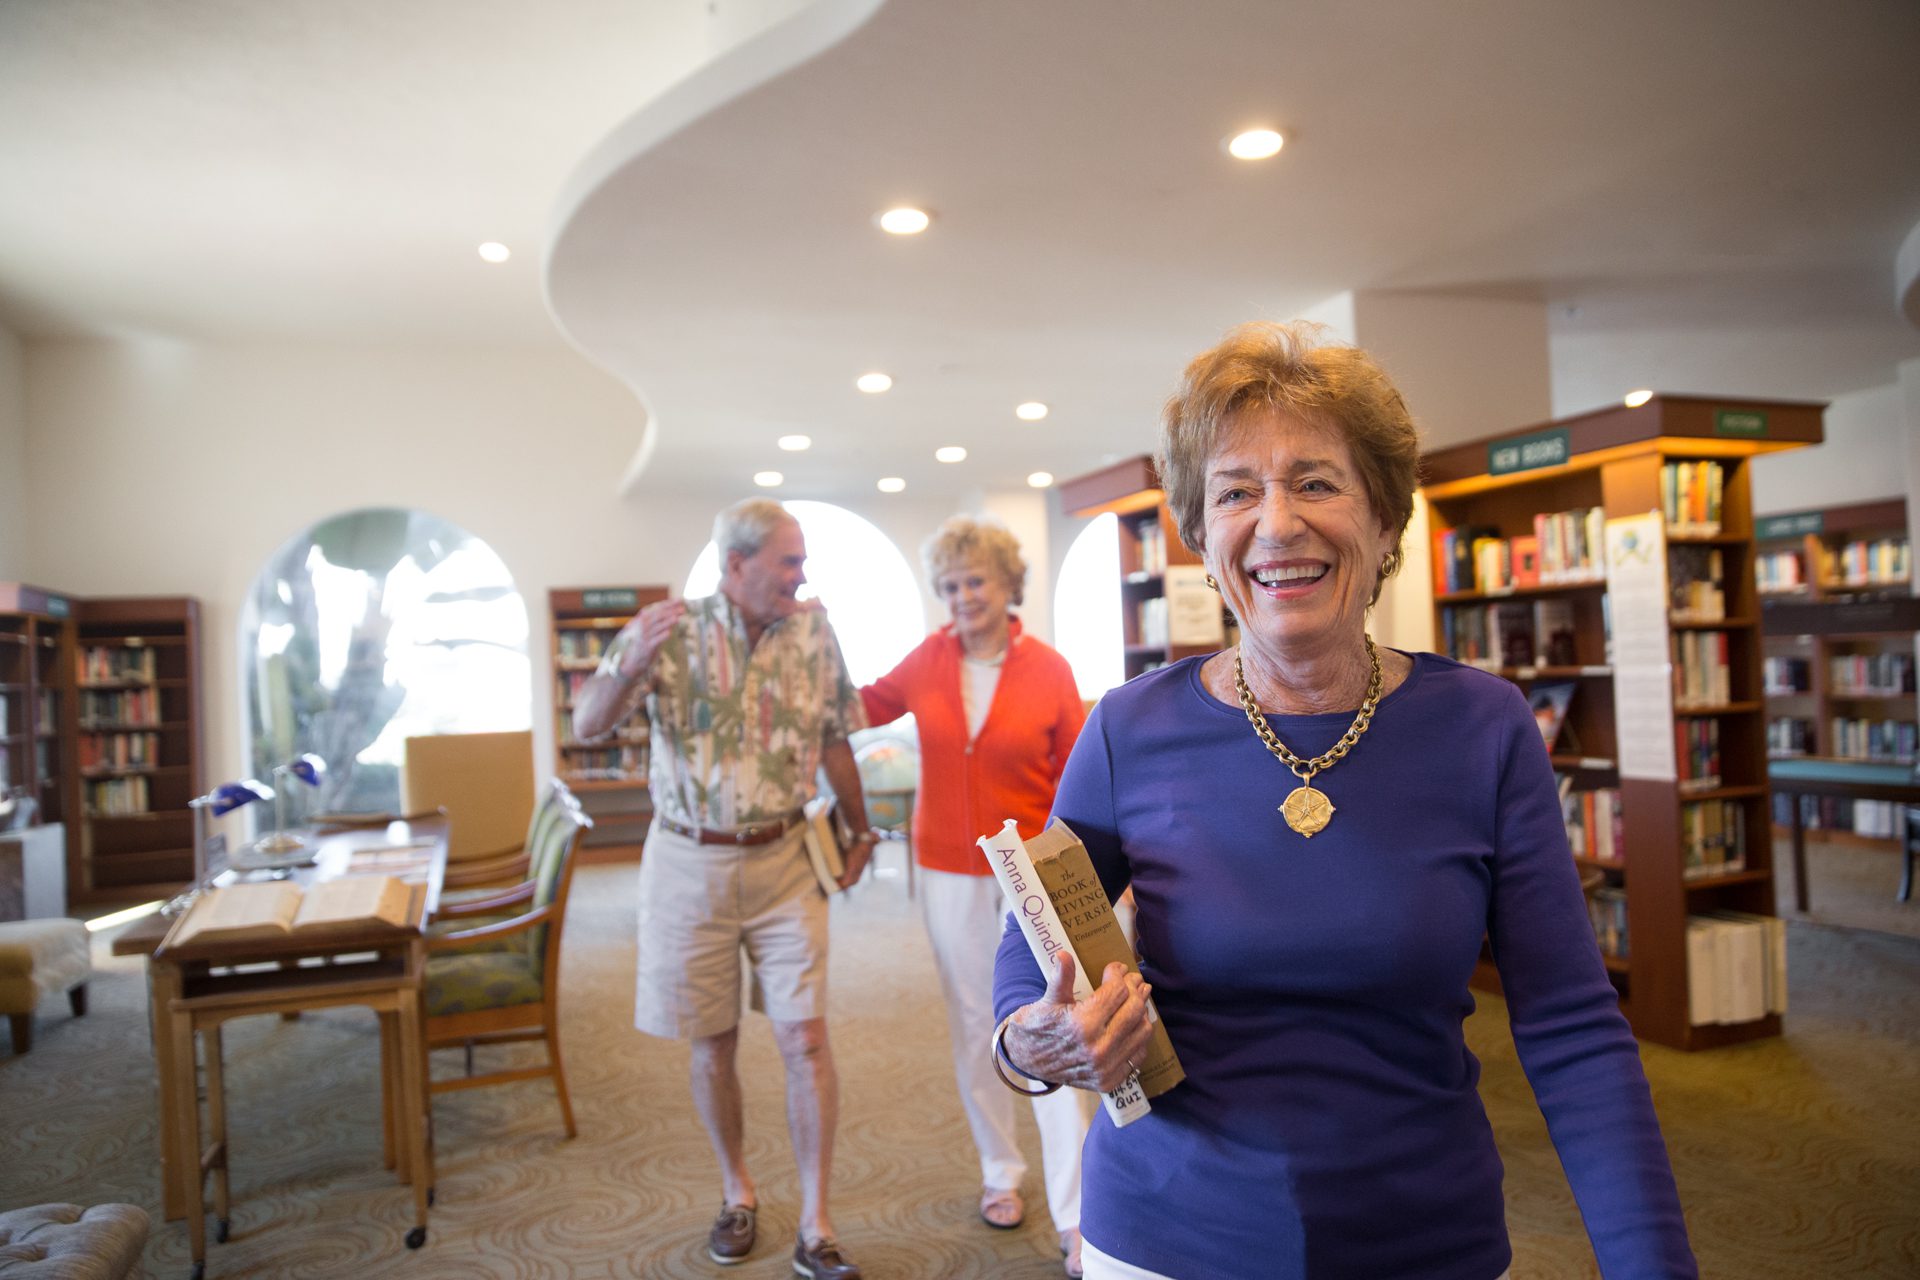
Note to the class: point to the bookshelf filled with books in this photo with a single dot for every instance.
(1167, 612)
(1839, 622)
(1605, 564)
(103, 724)
(610, 775)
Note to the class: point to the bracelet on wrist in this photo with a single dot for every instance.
(999, 1054)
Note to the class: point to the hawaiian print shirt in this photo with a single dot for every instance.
(737, 737)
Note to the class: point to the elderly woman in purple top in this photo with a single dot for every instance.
(1318, 832)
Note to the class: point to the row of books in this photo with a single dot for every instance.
(1153, 547)
(1697, 752)
(127, 706)
(1511, 633)
(1713, 838)
(1736, 967)
(583, 645)
(567, 686)
(1564, 547)
(1776, 571)
(116, 665)
(1874, 673)
(1863, 563)
(1875, 819)
(1701, 677)
(1853, 739)
(1595, 828)
(633, 732)
(117, 797)
(6, 721)
(1696, 578)
(1607, 909)
(1784, 675)
(1151, 621)
(612, 764)
(119, 750)
(1690, 496)
(1789, 736)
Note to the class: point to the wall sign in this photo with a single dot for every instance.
(1739, 422)
(1797, 525)
(1527, 453)
(611, 598)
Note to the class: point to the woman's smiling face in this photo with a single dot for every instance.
(1291, 536)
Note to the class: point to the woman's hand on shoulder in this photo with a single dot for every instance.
(1094, 1043)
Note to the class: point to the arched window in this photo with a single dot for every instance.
(861, 577)
(1086, 608)
(372, 627)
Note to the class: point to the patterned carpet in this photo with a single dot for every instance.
(1798, 1157)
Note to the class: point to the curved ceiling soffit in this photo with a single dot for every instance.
(1906, 277)
(750, 63)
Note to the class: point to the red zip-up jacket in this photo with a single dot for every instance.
(969, 788)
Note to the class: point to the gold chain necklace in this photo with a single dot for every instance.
(1306, 810)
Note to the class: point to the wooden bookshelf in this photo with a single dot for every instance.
(610, 776)
(110, 730)
(1839, 620)
(1626, 462)
(1149, 544)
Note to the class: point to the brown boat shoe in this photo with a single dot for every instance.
(731, 1238)
(822, 1260)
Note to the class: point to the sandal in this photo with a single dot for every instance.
(1002, 1208)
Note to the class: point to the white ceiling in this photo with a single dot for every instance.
(1709, 196)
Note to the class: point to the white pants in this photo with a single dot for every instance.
(964, 915)
(1100, 1267)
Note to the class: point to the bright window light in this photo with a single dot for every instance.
(864, 581)
(1086, 608)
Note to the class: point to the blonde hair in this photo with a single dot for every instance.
(1288, 368)
(962, 538)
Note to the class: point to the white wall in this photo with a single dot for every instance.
(175, 469)
(1869, 452)
(14, 564)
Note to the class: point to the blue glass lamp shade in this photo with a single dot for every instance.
(309, 768)
(229, 796)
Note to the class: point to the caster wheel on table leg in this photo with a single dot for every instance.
(416, 1237)
(222, 1231)
(199, 1271)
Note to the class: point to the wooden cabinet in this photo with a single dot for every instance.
(1660, 649)
(1150, 548)
(107, 732)
(609, 776)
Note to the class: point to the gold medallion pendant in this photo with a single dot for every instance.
(1307, 810)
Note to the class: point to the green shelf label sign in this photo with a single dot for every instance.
(1527, 453)
(58, 607)
(611, 598)
(1796, 525)
(1739, 422)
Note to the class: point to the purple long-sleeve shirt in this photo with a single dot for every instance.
(1330, 1123)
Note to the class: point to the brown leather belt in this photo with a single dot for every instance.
(755, 833)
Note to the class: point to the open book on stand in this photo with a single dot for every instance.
(274, 909)
(826, 842)
(1055, 894)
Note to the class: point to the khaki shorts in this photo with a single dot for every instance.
(701, 907)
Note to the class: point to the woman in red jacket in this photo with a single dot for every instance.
(997, 712)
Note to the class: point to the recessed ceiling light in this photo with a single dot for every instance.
(1634, 399)
(795, 444)
(494, 251)
(768, 479)
(873, 383)
(1031, 411)
(1040, 480)
(950, 453)
(1255, 144)
(903, 221)
(891, 484)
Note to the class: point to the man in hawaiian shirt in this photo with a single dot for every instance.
(747, 696)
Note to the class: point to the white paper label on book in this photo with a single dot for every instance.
(1046, 936)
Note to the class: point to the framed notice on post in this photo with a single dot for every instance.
(1642, 662)
(1193, 607)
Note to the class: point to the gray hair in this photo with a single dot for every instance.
(746, 525)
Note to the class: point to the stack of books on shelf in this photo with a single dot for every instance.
(1690, 497)
(1152, 621)
(115, 666)
(1780, 571)
(119, 750)
(1861, 563)
(1736, 967)
(623, 763)
(584, 647)
(1697, 753)
(1565, 548)
(1607, 909)
(131, 706)
(117, 797)
(1859, 739)
(1695, 582)
(1511, 633)
(1789, 736)
(1595, 830)
(48, 719)
(1787, 675)
(1713, 838)
(1700, 674)
(1153, 548)
(1873, 819)
(1870, 673)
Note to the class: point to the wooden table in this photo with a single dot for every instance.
(1854, 780)
(194, 988)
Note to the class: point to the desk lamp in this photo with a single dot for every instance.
(309, 768)
(222, 800)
